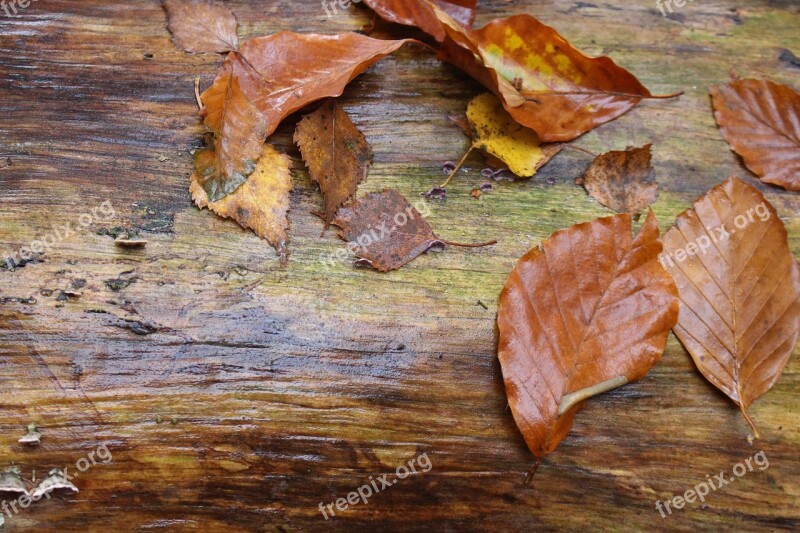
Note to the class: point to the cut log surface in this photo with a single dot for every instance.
(233, 394)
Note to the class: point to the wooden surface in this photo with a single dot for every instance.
(277, 389)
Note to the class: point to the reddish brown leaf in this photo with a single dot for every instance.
(739, 287)
(420, 13)
(336, 153)
(761, 122)
(623, 180)
(239, 133)
(544, 82)
(202, 25)
(589, 311)
(284, 72)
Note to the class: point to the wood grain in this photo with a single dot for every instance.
(292, 386)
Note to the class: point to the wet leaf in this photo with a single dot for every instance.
(420, 13)
(739, 287)
(202, 25)
(588, 312)
(623, 180)
(284, 72)
(261, 204)
(761, 122)
(238, 130)
(496, 132)
(544, 82)
(336, 153)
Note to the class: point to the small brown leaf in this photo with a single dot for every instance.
(261, 204)
(420, 13)
(588, 312)
(239, 133)
(202, 25)
(623, 180)
(761, 122)
(336, 153)
(739, 287)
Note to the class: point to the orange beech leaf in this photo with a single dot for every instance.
(587, 312)
(623, 180)
(545, 83)
(761, 122)
(739, 287)
(202, 25)
(239, 132)
(336, 153)
(284, 72)
(420, 13)
(261, 204)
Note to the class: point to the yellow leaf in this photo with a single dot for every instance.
(261, 204)
(496, 132)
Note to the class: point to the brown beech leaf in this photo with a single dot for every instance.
(623, 180)
(284, 72)
(761, 122)
(739, 287)
(336, 153)
(239, 132)
(261, 204)
(587, 312)
(202, 25)
(420, 13)
(545, 83)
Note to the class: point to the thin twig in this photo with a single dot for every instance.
(478, 245)
(197, 93)
(458, 166)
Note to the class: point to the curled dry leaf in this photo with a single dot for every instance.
(544, 82)
(588, 312)
(496, 133)
(761, 122)
(238, 130)
(284, 72)
(202, 25)
(336, 152)
(623, 180)
(261, 204)
(420, 13)
(739, 287)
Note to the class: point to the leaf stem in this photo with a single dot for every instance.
(532, 471)
(197, 93)
(578, 148)
(756, 434)
(458, 166)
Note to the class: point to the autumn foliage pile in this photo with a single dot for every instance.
(588, 310)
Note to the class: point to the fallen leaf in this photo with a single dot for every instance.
(386, 232)
(284, 72)
(261, 204)
(497, 133)
(588, 312)
(761, 122)
(336, 153)
(202, 25)
(239, 132)
(623, 180)
(420, 13)
(739, 286)
(544, 82)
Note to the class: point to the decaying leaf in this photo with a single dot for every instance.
(588, 312)
(761, 122)
(420, 13)
(623, 180)
(496, 132)
(336, 153)
(386, 232)
(739, 288)
(284, 72)
(55, 480)
(239, 132)
(202, 25)
(10, 481)
(262, 203)
(544, 82)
